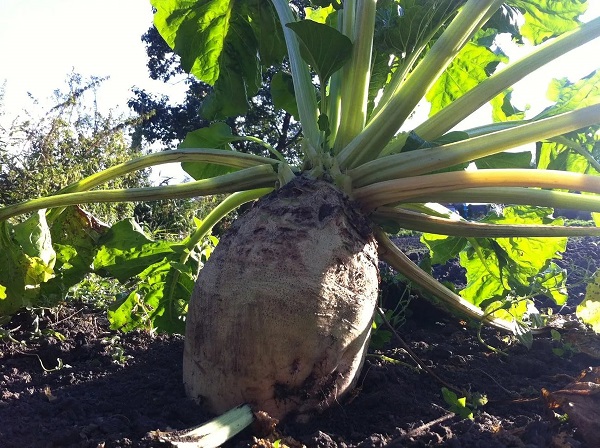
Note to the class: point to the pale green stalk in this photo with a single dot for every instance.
(386, 123)
(443, 226)
(213, 433)
(205, 155)
(422, 161)
(223, 157)
(471, 101)
(401, 73)
(334, 105)
(518, 196)
(266, 145)
(399, 261)
(397, 190)
(246, 179)
(355, 86)
(303, 87)
(485, 129)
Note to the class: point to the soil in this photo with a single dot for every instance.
(75, 383)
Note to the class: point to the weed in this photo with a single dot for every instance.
(115, 350)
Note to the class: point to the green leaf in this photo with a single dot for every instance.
(161, 293)
(402, 26)
(217, 135)
(27, 259)
(502, 266)
(75, 235)
(503, 109)
(415, 142)
(151, 305)
(552, 281)
(222, 42)
(505, 160)
(569, 95)
(324, 48)
(126, 251)
(34, 237)
(549, 18)
(282, 92)
(443, 248)
(321, 15)
(589, 309)
(205, 24)
(473, 64)
(457, 405)
(576, 151)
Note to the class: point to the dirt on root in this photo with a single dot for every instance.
(75, 383)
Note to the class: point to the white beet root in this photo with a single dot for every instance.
(281, 314)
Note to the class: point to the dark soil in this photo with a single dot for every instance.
(75, 383)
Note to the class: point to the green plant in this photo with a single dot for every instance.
(561, 348)
(281, 313)
(115, 350)
(461, 406)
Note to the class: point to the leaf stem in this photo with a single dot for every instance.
(422, 222)
(399, 261)
(518, 196)
(382, 127)
(464, 106)
(355, 86)
(303, 87)
(249, 178)
(432, 159)
(226, 206)
(398, 190)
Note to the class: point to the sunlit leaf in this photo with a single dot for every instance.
(474, 63)
(126, 251)
(443, 248)
(548, 18)
(502, 266)
(569, 95)
(503, 109)
(229, 45)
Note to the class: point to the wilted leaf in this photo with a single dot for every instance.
(27, 260)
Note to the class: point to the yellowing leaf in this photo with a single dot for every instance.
(589, 310)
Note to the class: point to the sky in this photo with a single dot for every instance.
(41, 41)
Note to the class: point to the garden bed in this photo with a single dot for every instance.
(115, 390)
